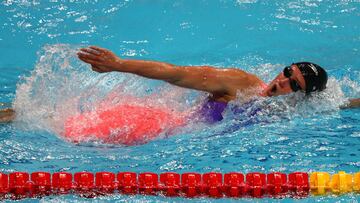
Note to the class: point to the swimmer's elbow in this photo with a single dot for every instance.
(174, 75)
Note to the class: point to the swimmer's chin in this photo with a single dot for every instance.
(264, 94)
(272, 90)
(267, 93)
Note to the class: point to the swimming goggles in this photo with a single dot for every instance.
(294, 85)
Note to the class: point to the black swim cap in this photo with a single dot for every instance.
(315, 76)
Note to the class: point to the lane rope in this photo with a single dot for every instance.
(18, 185)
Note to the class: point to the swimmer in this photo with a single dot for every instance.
(221, 84)
(7, 115)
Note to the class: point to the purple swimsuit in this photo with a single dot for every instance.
(211, 111)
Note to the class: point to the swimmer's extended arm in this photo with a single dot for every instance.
(353, 103)
(7, 115)
(205, 78)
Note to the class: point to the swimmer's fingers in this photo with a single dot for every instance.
(90, 61)
(94, 68)
(101, 50)
(90, 56)
(90, 51)
(97, 69)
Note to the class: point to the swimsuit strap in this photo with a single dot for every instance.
(211, 110)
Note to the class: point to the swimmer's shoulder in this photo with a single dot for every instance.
(239, 80)
(243, 77)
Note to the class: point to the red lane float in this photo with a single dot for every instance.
(84, 184)
(234, 185)
(148, 183)
(170, 184)
(105, 182)
(256, 183)
(4, 185)
(214, 185)
(191, 184)
(18, 185)
(41, 184)
(61, 183)
(277, 184)
(299, 185)
(127, 182)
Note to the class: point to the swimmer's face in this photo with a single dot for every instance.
(284, 85)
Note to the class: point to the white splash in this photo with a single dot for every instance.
(61, 86)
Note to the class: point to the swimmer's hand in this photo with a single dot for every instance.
(353, 103)
(7, 115)
(100, 59)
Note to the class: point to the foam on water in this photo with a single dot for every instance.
(61, 86)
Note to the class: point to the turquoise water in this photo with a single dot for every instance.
(44, 81)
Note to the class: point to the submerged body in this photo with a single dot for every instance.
(135, 124)
(121, 124)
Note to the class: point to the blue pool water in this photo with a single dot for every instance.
(44, 81)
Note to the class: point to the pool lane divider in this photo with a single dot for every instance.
(18, 185)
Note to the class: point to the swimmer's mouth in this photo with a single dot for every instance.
(273, 89)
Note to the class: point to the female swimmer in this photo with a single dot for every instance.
(221, 84)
